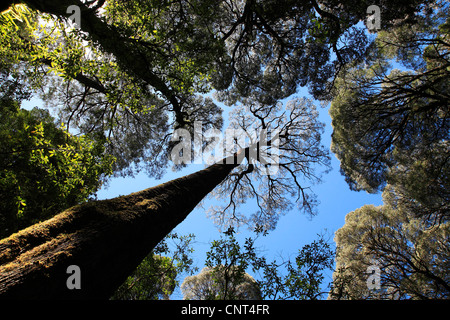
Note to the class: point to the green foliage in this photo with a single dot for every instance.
(386, 118)
(225, 268)
(225, 277)
(153, 279)
(302, 280)
(156, 276)
(44, 169)
(305, 277)
(411, 254)
(181, 48)
(141, 65)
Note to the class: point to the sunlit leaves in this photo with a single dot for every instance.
(44, 168)
(157, 275)
(179, 49)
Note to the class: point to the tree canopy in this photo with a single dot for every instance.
(130, 73)
(411, 256)
(44, 169)
(391, 112)
(391, 133)
(134, 84)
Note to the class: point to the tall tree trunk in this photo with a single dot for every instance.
(106, 239)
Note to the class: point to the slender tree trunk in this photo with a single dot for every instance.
(106, 239)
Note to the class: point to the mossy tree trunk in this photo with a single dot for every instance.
(106, 239)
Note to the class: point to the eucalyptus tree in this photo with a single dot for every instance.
(391, 132)
(388, 252)
(134, 72)
(391, 113)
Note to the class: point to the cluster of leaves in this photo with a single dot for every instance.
(391, 132)
(412, 256)
(86, 87)
(157, 275)
(44, 169)
(153, 279)
(225, 277)
(386, 119)
(180, 48)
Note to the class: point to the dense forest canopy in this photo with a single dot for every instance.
(130, 73)
(125, 80)
(391, 132)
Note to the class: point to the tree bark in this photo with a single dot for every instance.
(106, 239)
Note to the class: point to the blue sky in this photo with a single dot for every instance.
(294, 229)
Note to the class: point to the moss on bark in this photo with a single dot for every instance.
(107, 239)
